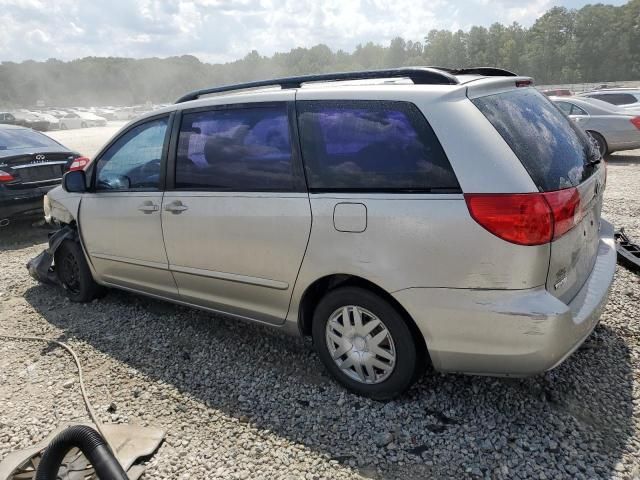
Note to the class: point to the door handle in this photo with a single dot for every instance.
(176, 207)
(148, 207)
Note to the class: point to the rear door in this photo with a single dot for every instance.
(559, 158)
(237, 221)
(120, 217)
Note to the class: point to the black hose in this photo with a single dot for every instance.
(93, 446)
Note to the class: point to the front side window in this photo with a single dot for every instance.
(371, 146)
(133, 161)
(236, 149)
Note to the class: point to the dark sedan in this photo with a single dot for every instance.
(30, 165)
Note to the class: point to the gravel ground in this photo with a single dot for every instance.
(241, 401)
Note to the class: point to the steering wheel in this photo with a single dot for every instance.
(150, 168)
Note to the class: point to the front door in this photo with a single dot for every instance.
(237, 221)
(120, 217)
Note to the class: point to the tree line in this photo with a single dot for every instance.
(595, 43)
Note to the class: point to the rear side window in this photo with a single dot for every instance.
(371, 146)
(616, 98)
(236, 149)
(551, 148)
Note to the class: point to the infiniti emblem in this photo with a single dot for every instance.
(40, 157)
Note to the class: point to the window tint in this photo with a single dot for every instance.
(552, 149)
(133, 162)
(236, 149)
(371, 146)
(616, 98)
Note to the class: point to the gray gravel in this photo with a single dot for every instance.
(240, 401)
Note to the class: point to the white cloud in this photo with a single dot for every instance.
(224, 30)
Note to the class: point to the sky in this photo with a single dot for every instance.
(225, 30)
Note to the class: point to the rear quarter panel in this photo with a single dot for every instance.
(415, 241)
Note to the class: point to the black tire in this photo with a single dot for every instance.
(74, 274)
(600, 142)
(407, 353)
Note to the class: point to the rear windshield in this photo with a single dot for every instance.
(14, 138)
(552, 149)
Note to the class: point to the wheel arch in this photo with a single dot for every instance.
(321, 286)
(607, 147)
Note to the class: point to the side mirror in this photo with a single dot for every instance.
(74, 182)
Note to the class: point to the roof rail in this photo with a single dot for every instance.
(483, 71)
(419, 76)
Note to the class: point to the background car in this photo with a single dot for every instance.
(612, 128)
(622, 97)
(31, 164)
(79, 119)
(54, 122)
(7, 118)
(28, 119)
(558, 92)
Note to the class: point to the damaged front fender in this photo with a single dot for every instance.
(61, 207)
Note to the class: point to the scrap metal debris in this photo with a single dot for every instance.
(628, 252)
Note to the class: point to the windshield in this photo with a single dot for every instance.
(552, 149)
(14, 138)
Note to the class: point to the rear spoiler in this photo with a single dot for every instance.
(483, 86)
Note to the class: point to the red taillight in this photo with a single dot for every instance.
(636, 122)
(5, 177)
(565, 209)
(79, 163)
(526, 218)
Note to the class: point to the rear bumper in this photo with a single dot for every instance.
(510, 332)
(22, 203)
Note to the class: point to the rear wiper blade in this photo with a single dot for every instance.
(591, 163)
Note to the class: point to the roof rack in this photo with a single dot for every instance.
(419, 76)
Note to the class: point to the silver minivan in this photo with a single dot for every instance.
(400, 218)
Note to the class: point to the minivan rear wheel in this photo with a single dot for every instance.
(74, 274)
(364, 343)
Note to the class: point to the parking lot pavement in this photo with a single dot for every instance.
(86, 141)
(241, 401)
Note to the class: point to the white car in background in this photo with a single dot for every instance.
(81, 120)
(54, 122)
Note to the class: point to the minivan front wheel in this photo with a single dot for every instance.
(364, 343)
(74, 274)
